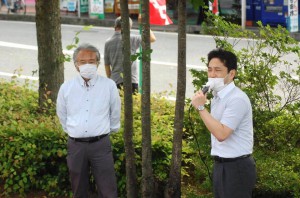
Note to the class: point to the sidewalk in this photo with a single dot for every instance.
(72, 18)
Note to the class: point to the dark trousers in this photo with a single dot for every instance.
(234, 179)
(135, 87)
(99, 155)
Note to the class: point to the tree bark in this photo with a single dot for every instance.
(147, 172)
(50, 56)
(131, 180)
(173, 189)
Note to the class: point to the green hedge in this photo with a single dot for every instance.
(33, 149)
(34, 146)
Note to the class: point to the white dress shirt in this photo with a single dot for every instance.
(232, 107)
(88, 111)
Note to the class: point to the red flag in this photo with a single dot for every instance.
(158, 13)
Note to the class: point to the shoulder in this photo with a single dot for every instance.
(67, 86)
(238, 96)
(69, 83)
(108, 40)
(107, 81)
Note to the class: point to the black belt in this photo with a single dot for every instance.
(221, 159)
(88, 139)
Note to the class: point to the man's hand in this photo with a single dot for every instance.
(198, 99)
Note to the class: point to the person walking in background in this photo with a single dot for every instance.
(113, 55)
(89, 109)
(231, 126)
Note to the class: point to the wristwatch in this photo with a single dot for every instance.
(201, 108)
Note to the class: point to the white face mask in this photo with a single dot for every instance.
(216, 84)
(88, 71)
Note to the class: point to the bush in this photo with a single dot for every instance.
(34, 146)
(267, 77)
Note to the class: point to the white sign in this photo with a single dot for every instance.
(293, 16)
(96, 7)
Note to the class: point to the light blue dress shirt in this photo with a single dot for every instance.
(88, 111)
(232, 107)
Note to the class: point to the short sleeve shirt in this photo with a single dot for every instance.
(232, 107)
(113, 56)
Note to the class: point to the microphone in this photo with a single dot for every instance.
(205, 89)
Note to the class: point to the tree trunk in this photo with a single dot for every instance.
(147, 172)
(173, 189)
(50, 56)
(131, 180)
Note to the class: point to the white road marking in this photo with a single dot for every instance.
(18, 76)
(70, 52)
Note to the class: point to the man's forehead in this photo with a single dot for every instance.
(86, 54)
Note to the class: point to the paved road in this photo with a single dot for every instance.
(18, 49)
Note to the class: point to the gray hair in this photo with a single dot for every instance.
(88, 47)
(118, 23)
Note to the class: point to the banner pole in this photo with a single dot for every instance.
(140, 60)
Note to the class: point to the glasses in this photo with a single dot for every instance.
(94, 62)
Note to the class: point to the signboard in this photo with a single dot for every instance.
(109, 6)
(133, 7)
(96, 9)
(71, 5)
(292, 20)
(63, 4)
(84, 6)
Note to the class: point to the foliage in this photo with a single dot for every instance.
(33, 145)
(74, 44)
(269, 73)
(278, 177)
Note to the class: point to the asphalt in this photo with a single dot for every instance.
(108, 21)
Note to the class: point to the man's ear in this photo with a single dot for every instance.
(232, 73)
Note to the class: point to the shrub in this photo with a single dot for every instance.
(34, 145)
(271, 80)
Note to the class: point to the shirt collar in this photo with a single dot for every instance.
(221, 94)
(91, 82)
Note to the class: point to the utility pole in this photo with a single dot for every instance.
(243, 14)
(78, 9)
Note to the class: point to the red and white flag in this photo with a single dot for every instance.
(158, 13)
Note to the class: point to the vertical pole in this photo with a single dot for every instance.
(243, 13)
(141, 62)
(78, 8)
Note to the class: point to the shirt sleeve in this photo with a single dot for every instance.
(106, 55)
(136, 42)
(234, 112)
(61, 109)
(115, 108)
